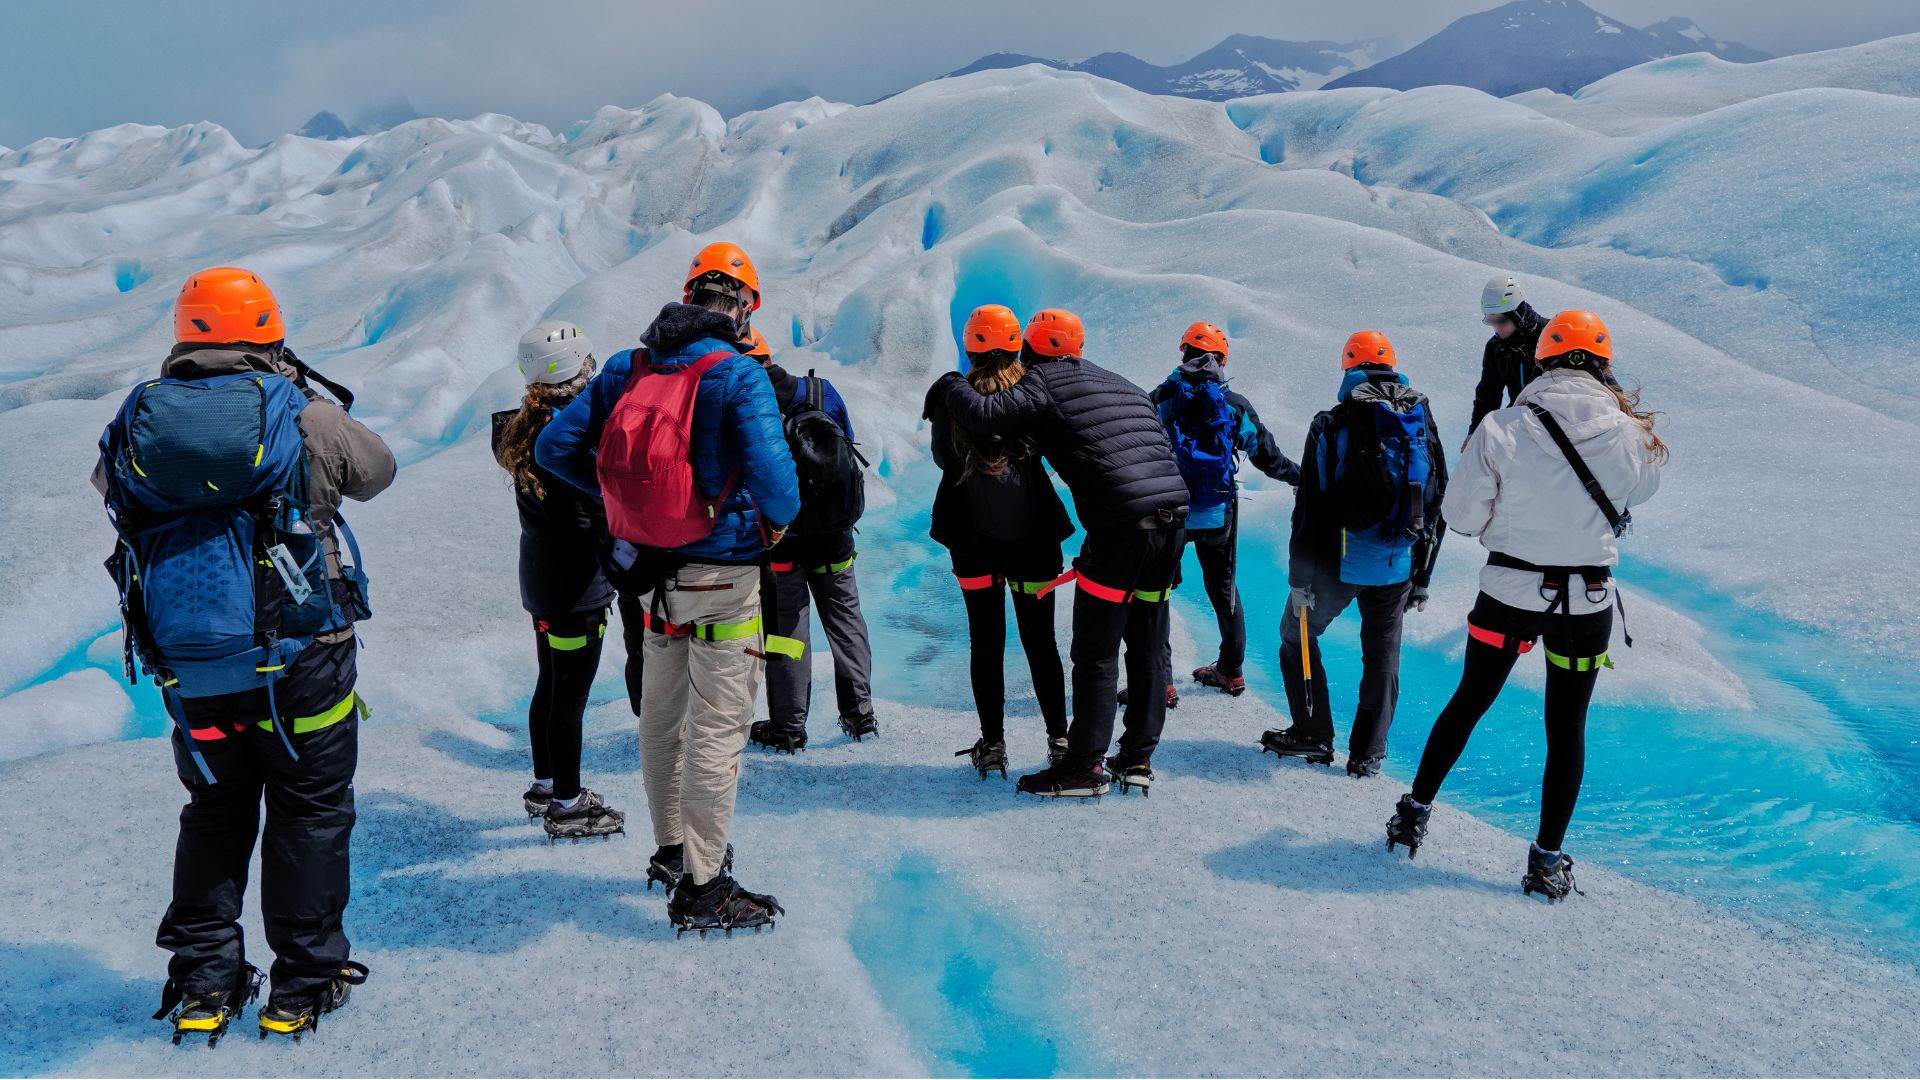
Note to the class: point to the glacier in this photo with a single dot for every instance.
(1749, 231)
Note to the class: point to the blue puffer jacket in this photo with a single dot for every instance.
(736, 425)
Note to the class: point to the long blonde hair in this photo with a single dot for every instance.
(515, 453)
(990, 373)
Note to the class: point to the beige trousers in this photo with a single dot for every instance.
(696, 706)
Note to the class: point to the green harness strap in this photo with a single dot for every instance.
(1153, 597)
(300, 725)
(1579, 663)
(834, 568)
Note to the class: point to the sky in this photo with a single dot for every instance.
(261, 69)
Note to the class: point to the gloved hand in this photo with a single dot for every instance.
(1417, 598)
(1300, 598)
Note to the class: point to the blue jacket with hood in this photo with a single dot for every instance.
(736, 426)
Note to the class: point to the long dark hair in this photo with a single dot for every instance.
(990, 373)
(515, 453)
(1581, 360)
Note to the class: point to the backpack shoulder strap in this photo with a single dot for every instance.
(816, 395)
(1594, 490)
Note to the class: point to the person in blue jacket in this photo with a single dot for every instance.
(699, 603)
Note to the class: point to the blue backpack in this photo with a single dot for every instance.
(1374, 459)
(222, 575)
(1202, 424)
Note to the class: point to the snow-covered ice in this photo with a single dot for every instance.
(1727, 220)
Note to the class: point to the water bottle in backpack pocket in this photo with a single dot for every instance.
(1203, 426)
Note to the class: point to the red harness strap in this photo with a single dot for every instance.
(207, 734)
(662, 626)
(1103, 592)
(1498, 641)
(973, 584)
(1070, 575)
(780, 567)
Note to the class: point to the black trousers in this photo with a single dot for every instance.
(633, 634)
(1216, 551)
(1383, 609)
(1114, 565)
(304, 861)
(1569, 692)
(1011, 566)
(568, 650)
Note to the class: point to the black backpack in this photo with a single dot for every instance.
(833, 483)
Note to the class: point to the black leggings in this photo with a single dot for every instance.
(1569, 690)
(987, 633)
(568, 648)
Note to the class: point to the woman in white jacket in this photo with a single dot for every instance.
(1550, 532)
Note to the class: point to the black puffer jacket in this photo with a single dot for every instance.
(560, 539)
(974, 509)
(1098, 430)
(1507, 364)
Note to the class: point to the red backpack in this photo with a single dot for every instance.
(645, 466)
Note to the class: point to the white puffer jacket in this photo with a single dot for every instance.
(1515, 491)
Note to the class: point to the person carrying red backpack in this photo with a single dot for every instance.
(682, 440)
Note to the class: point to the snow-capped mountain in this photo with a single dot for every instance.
(1560, 45)
(1242, 65)
(326, 124)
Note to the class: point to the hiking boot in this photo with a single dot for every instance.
(536, 799)
(1173, 696)
(1549, 875)
(720, 904)
(859, 727)
(1056, 749)
(296, 1018)
(986, 757)
(1063, 781)
(1408, 825)
(777, 736)
(669, 863)
(208, 1013)
(588, 816)
(1291, 743)
(1230, 685)
(1131, 774)
(1362, 767)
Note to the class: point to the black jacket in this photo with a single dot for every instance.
(560, 539)
(1098, 430)
(1316, 540)
(977, 510)
(1507, 364)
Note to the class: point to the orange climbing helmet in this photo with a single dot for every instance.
(718, 264)
(1367, 347)
(1054, 332)
(991, 327)
(225, 303)
(756, 345)
(1572, 331)
(1207, 338)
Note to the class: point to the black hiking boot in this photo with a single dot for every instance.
(1363, 767)
(986, 757)
(1173, 697)
(720, 904)
(777, 736)
(1550, 877)
(1230, 685)
(1408, 825)
(208, 1013)
(296, 1018)
(1131, 774)
(1063, 781)
(587, 817)
(861, 726)
(536, 800)
(669, 863)
(1289, 744)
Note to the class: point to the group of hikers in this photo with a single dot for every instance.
(712, 497)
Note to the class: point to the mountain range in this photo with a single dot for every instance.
(1240, 66)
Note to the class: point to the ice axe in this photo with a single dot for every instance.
(1306, 661)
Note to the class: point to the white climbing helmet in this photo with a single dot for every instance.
(1501, 295)
(553, 352)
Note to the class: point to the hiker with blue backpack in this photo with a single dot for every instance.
(561, 585)
(681, 439)
(813, 568)
(239, 589)
(1211, 427)
(1364, 532)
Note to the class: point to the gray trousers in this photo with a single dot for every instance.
(1382, 609)
(836, 594)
